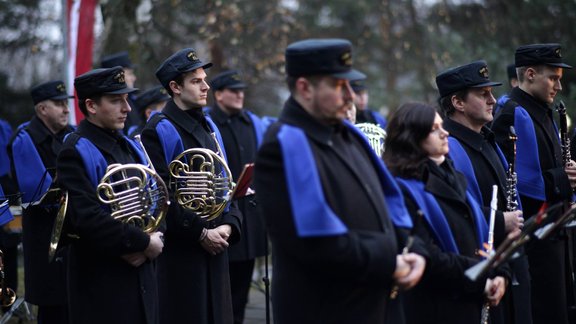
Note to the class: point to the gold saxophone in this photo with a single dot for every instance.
(202, 181)
(135, 193)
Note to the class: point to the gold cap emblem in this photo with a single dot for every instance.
(119, 77)
(484, 72)
(61, 88)
(557, 52)
(346, 59)
(192, 56)
(163, 91)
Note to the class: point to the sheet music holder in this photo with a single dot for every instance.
(244, 181)
(508, 249)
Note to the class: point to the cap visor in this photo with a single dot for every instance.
(62, 97)
(197, 66)
(236, 86)
(487, 84)
(349, 75)
(122, 91)
(562, 65)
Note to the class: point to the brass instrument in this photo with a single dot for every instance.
(376, 136)
(511, 176)
(564, 135)
(202, 181)
(7, 295)
(135, 193)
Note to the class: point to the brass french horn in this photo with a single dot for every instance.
(202, 181)
(135, 193)
(376, 136)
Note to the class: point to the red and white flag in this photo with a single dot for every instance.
(80, 40)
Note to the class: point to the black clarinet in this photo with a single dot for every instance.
(564, 136)
(511, 176)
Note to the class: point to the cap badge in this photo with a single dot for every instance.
(192, 56)
(557, 52)
(235, 77)
(483, 72)
(346, 59)
(163, 91)
(119, 77)
(61, 88)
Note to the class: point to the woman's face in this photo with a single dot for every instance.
(436, 144)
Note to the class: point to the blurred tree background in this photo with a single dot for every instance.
(400, 44)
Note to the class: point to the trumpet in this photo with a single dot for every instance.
(202, 181)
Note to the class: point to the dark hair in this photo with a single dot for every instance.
(82, 103)
(408, 127)
(445, 103)
(314, 79)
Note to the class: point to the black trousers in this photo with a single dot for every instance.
(240, 280)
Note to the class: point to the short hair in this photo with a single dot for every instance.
(408, 127)
(447, 109)
(521, 70)
(82, 103)
(314, 79)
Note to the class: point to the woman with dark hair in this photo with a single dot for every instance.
(454, 227)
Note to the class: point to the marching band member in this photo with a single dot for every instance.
(33, 153)
(111, 270)
(466, 100)
(194, 265)
(454, 227)
(543, 178)
(329, 203)
(242, 134)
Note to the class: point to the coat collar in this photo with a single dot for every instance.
(294, 114)
(189, 121)
(467, 136)
(104, 139)
(221, 118)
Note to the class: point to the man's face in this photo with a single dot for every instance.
(231, 100)
(544, 83)
(193, 93)
(478, 105)
(331, 100)
(361, 100)
(129, 77)
(109, 112)
(55, 114)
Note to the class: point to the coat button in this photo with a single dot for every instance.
(186, 223)
(143, 289)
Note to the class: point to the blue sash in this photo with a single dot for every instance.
(530, 180)
(5, 214)
(33, 178)
(463, 164)
(436, 219)
(94, 162)
(5, 134)
(172, 142)
(312, 215)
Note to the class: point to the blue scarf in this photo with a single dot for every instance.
(436, 219)
(312, 215)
